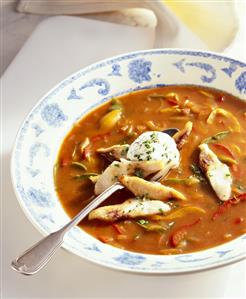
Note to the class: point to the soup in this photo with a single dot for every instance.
(200, 198)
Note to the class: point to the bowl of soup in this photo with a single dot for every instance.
(183, 205)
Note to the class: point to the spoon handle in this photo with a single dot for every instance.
(36, 257)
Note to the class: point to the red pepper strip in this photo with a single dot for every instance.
(241, 196)
(120, 230)
(86, 152)
(105, 239)
(221, 99)
(224, 149)
(172, 101)
(227, 204)
(179, 235)
(221, 210)
(238, 220)
(100, 137)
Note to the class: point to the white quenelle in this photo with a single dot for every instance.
(154, 145)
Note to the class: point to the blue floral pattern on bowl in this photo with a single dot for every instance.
(203, 66)
(130, 259)
(241, 83)
(39, 138)
(105, 86)
(139, 70)
(53, 115)
(115, 70)
(41, 199)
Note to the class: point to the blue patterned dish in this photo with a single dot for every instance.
(40, 137)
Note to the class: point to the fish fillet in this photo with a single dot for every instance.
(153, 190)
(181, 137)
(115, 152)
(117, 169)
(216, 172)
(131, 208)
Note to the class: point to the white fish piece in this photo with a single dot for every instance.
(216, 172)
(130, 208)
(115, 152)
(117, 169)
(181, 137)
(153, 190)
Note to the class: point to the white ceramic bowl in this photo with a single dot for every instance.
(42, 132)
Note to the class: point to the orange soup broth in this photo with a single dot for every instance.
(139, 113)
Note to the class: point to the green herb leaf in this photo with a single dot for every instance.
(151, 227)
(197, 172)
(79, 165)
(115, 105)
(239, 186)
(124, 151)
(139, 173)
(142, 221)
(85, 175)
(216, 137)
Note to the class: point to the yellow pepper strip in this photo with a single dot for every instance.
(191, 180)
(171, 251)
(229, 115)
(207, 94)
(236, 148)
(173, 97)
(193, 107)
(110, 119)
(175, 109)
(94, 178)
(235, 191)
(179, 213)
(227, 160)
(152, 126)
(171, 109)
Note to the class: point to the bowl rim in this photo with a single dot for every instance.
(185, 51)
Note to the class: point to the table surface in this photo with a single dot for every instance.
(43, 61)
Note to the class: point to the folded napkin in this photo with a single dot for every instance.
(170, 32)
(75, 7)
(195, 24)
(89, 9)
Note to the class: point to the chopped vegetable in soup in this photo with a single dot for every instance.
(183, 193)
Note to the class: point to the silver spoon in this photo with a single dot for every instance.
(36, 257)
